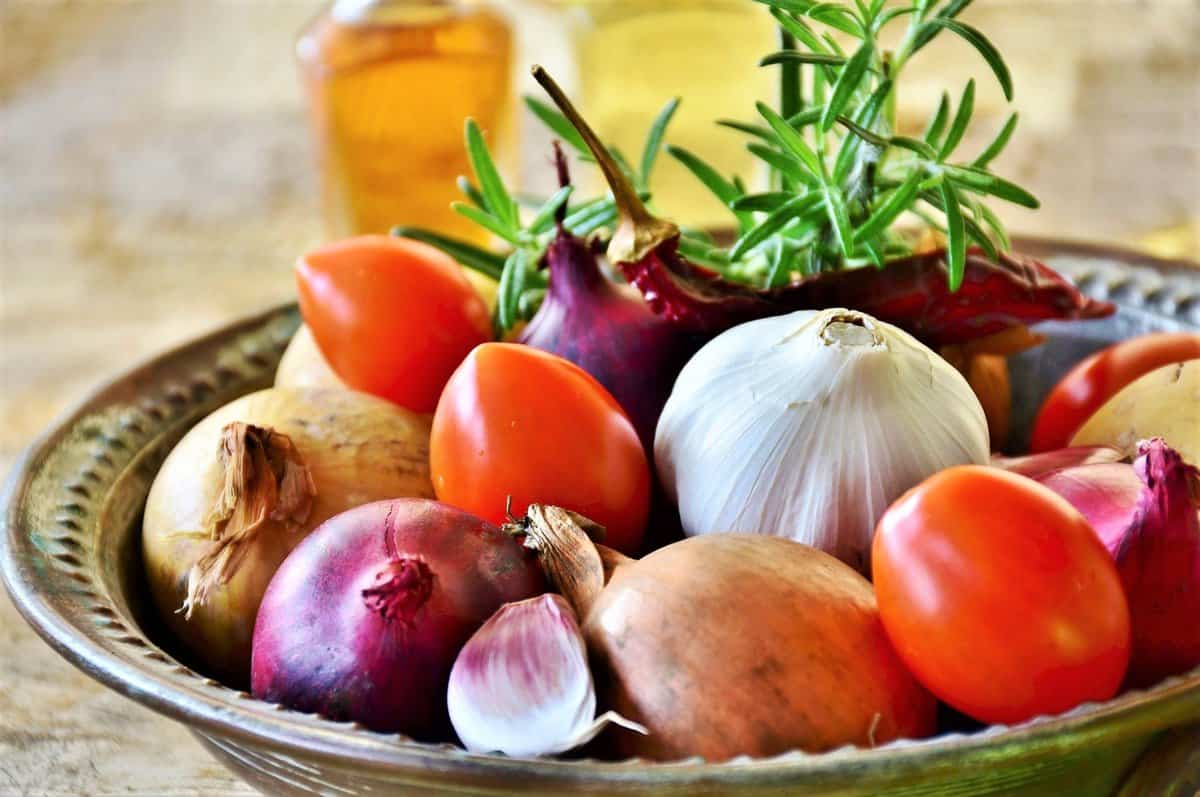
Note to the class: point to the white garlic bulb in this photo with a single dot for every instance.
(809, 425)
(521, 685)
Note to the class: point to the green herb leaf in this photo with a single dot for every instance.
(792, 6)
(764, 203)
(583, 225)
(847, 84)
(774, 221)
(512, 286)
(784, 163)
(962, 117)
(544, 219)
(915, 145)
(987, 183)
(495, 195)
(937, 124)
(557, 123)
(654, 139)
(798, 57)
(469, 190)
(835, 205)
(487, 221)
(837, 17)
(777, 269)
(925, 34)
(721, 188)
(887, 16)
(809, 116)
(703, 253)
(791, 96)
(956, 246)
(873, 255)
(800, 29)
(890, 209)
(866, 135)
(791, 139)
(865, 117)
(994, 224)
(758, 131)
(466, 254)
(985, 48)
(997, 145)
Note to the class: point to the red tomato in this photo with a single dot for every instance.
(517, 421)
(1095, 380)
(999, 596)
(393, 317)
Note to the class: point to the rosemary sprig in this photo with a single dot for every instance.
(842, 179)
(529, 231)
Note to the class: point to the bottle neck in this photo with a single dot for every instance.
(390, 12)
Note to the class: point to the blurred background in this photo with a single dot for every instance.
(163, 162)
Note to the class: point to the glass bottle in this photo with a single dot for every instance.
(389, 85)
(635, 55)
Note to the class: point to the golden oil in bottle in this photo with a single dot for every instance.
(635, 55)
(389, 85)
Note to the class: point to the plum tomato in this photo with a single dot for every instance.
(999, 596)
(517, 421)
(1092, 382)
(393, 317)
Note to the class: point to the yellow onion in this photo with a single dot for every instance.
(303, 365)
(1164, 403)
(246, 485)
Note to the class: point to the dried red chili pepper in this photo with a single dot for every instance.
(912, 292)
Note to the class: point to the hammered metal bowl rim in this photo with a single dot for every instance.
(213, 709)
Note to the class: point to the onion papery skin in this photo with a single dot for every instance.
(1037, 465)
(1159, 563)
(358, 449)
(735, 644)
(781, 426)
(1106, 494)
(364, 620)
(609, 331)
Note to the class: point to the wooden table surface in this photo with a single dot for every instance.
(155, 182)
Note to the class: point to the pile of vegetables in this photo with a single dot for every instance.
(669, 498)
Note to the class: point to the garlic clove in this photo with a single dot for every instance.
(521, 685)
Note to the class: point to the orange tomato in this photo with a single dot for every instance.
(999, 596)
(393, 317)
(1092, 382)
(517, 421)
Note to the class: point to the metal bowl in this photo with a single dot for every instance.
(71, 560)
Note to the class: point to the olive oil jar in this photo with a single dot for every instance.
(635, 55)
(389, 83)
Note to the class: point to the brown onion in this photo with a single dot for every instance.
(732, 644)
(245, 486)
(303, 365)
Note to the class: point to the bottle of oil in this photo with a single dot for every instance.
(389, 85)
(635, 55)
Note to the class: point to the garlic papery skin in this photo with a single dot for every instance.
(521, 685)
(809, 425)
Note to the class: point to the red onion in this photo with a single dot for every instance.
(364, 619)
(1159, 563)
(1037, 465)
(1106, 494)
(609, 331)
